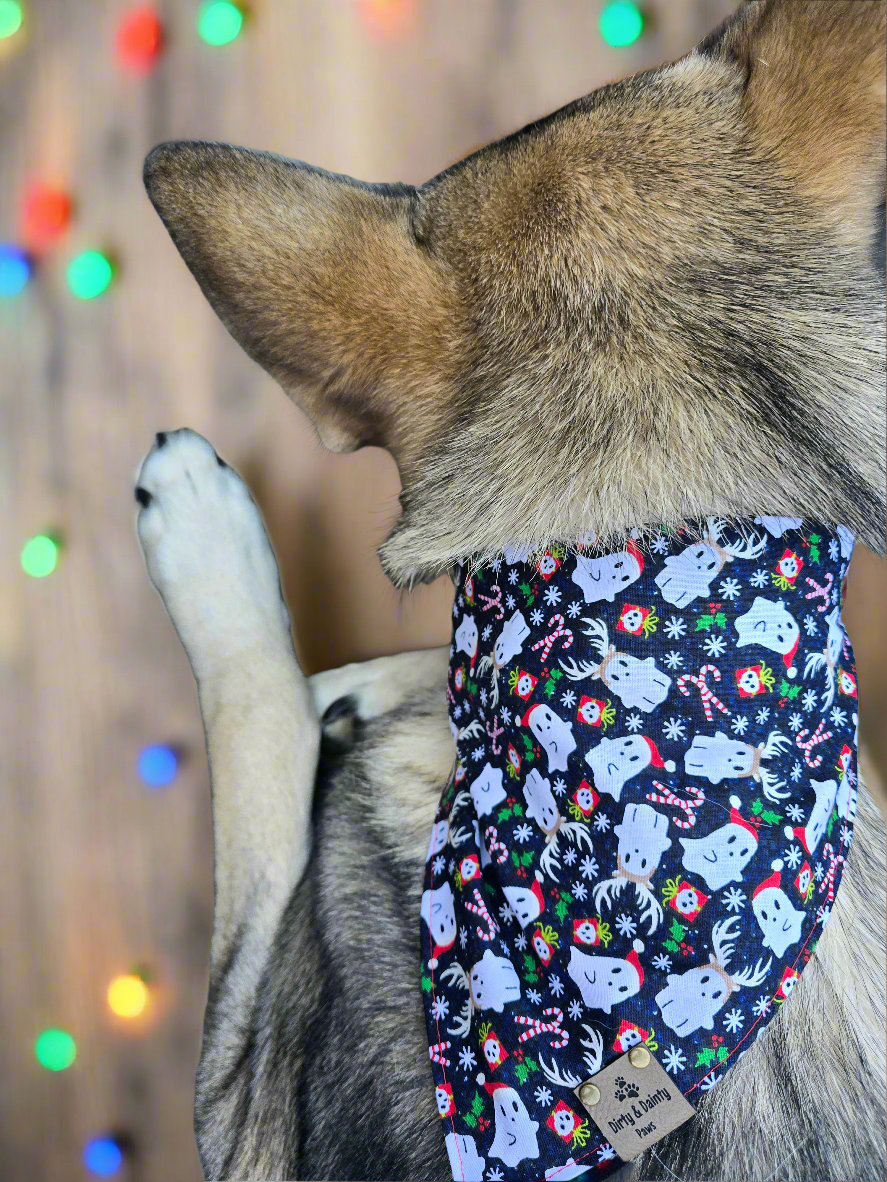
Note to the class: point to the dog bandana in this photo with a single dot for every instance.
(650, 814)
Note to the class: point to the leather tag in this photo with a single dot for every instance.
(634, 1102)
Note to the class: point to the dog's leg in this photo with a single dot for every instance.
(209, 556)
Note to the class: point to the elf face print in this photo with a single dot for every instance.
(608, 576)
(615, 761)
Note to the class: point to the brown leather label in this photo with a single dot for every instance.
(634, 1102)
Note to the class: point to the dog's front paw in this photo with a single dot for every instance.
(207, 552)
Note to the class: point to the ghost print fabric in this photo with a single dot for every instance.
(651, 808)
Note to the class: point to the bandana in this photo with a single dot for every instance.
(651, 809)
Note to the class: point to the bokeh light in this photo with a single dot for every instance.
(127, 996)
(40, 556)
(10, 18)
(140, 38)
(621, 23)
(158, 765)
(15, 269)
(219, 22)
(55, 1050)
(102, 1157)
(89, 274)
(47, 212)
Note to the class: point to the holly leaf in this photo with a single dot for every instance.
(531, 1063)
(426, 984)
(757, 806)
(503, 814)
(556, 674)
(677, 930)
(477, 1104)
(518, 809)
(722, 1054)
(567, 897)
(770, 817)
(671, 946)
(720, 620)
(470, 1120)
(561, 908)
(704, 622)
(521, 1071)
(550, 687)
(704, 1057)
(526, 859)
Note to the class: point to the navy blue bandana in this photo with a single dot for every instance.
(652, 804)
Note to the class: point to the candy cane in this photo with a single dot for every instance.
(666, 796)
(491, 837)
(537, 1026)
(819, 592)
(493, 601)
(436, 1053)
(815, 739)
(547, 642)
(481, 910)
(708, 696)
(494, 731)
(835, 860)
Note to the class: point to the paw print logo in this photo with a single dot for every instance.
(624, 1091)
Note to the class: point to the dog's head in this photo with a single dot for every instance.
(665, 300)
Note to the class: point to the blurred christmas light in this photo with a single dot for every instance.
(388, 18)
(55, 1050)
(127, 996)
(40, 556)
(140, 39)
(15, 269)
(621, 23)
(103, 1157)
(158, 765)
(89, 274)
(220, 21)
(46, 214)
(10, 18)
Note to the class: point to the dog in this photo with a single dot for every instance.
(661, 302)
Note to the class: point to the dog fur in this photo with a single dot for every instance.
(661, 302)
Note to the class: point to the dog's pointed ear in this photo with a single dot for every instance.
(317, 276)
(816, 97)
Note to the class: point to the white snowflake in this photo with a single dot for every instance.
(568, 698)
(762, 715)
(762, 1005)
(709, 1082)
(537, 615)
(455, 608)
(661, 961)
(739, 725)
(796, 771)
(846, 834)
(552, 596)
(674, 1060)
(588, 866)
(810, 625)
(496, 565)
(452, 866)
(523, 833)
(483, 696)
(602, 822)
(734, 899)
(543, 1096)
(808, 701)
(510, 601)
(477, 753)
(512, 577)
(438, 864)
(494, 1174)
(580, 891)
(823, 914)
(452, 651)
(487, 632)
(633, 723)
(833, 549)
(675, 628)
(795, 721)
(659, 544)
(463, 937)
(559, 786)
(505, 714)
(792, 856)
(606, 1152)
(759, 579)
(818, 871)
(625, 925)
(534, 996)
(715, 646)
(838, 716)
(674, 728)
(520, 942)
(734, 1020)
(794, 812)
(729, 588)
(461, 601)
(570, 855)
(467, 1059)
(574, 1009)
(574, 609)
(555, 984)
(440, 1007)
(673, 659)
(506, 914)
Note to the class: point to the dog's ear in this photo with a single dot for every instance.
(317, 276)
(816, 99)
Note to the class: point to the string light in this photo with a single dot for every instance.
(220, 21)
(89, 274)
(10, 18)
(140, 39)
(127, 996)
(621, 23)
(55, 1050)
(102, 1157)
(158, 765)
(39, 556)
(46, 215)
(15, 269)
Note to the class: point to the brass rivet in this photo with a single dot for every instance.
(589, 1094)
(639, 1057)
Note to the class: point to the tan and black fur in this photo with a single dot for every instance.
(665, 300)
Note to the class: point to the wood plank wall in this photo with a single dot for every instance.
(96, 872)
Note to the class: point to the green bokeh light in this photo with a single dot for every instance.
(10, 18)
(39, 556)
(621, 23)
(55, 1050)
(219, 22)
(89, 274)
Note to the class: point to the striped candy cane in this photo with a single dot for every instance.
(436, 1053)
(493, 601)
(480, 908)
(494, 730)
(818, 592)
(835, 860)
(537, 1026)
(815, 739)
(708, 695)
(547, 642)
(491, 837)
(666, 796)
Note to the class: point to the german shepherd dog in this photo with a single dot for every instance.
(686, 264)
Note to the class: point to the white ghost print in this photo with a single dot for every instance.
(541, 806)
(466, 637)
(605, 981)
(554, 735)
(606, 576)
(487, 790)
(777, 917)
(439, 912)
(721, 856)
(466, 1164)
(769, 624)
(493, 982)
(615, 761)
(515, 1138)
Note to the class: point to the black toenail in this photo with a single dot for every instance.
(161, 438)
(143, 497)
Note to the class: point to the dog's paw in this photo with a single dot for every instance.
(207, 551)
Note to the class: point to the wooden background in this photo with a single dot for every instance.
(97, 873)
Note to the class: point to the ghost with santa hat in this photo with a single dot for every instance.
(770, 624)
(515, 1138)
(552, 732)
(777, 918)
(615, 761)
(466, 636)
(606, 981)
(810, 835)
(721, 856)
(606, 576)
(527, 904)
(439, 913)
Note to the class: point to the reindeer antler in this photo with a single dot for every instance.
(650, 906)
(578, 672)
(721, 934)
(454, 974)
(597, 632)
(752, 976)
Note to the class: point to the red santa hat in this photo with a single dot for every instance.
(492, 1088)
(737, 819)
(525, 721)
(799, 833)
(632, 549)
(436, 950)
(656, 758)
(789, 658)
(632, 958)
(772, 880)
(536, 891)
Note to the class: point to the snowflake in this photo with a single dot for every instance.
(452, 866)
(438, 864)
(661, 961)
(467, 1059)
(795, 721)
(710, 1081)
(739, 725)
(715, 646)
(463, 937)
(505, 714)
(506, 914)
(602, 822)
(729, 588)
(673, 659)
(588, 866)
(570, 855)
(494, 1174)
(574, 1009)
(552, 596)
(543, 1096)
(556, 985)
(762, 715)
(796, 771)
(625, 925)
(440, 1007)
(762, 1005)
(483, 696)
(487, 632)
(574, 609)
(455, 608)
(759, 579)
(674, 1060)
(838, 716)
(675, 628)
(734, 1019)
(794, 812)
(568, 698)
(818, 871)
(452, 651)
(520, 942)
(496, 565)
(674, 728)
(512, 577)
(792, 856)
(833, 549)
(559, 786)
(534, 996)
(846, 834)
(659, 544)
(633, 723)
(510, 601)
(461, 601)
(823, 914)
(606, 1152)
(537, 615)
(734, 899)
(809, 700)
(477, 753)
(523, 833)
(580, 891)
(810, 626)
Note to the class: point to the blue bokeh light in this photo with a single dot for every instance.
(15, 269)
(158, 765)
(102, 1157)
